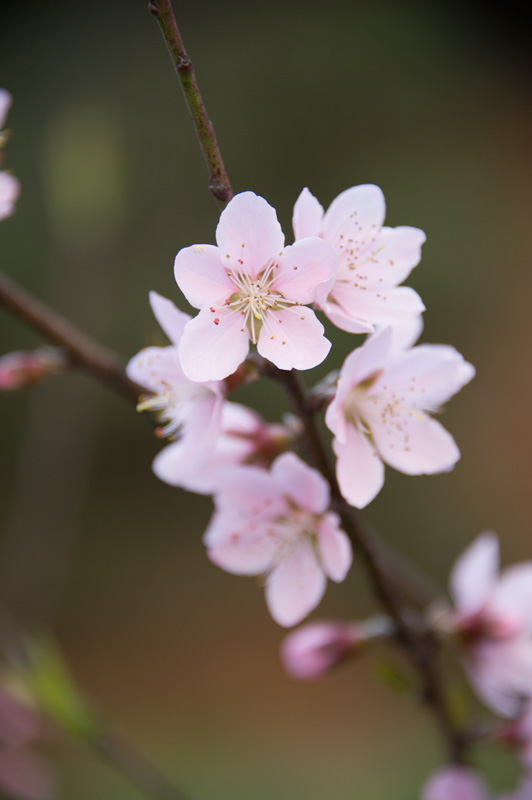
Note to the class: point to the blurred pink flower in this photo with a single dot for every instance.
(245, 438)
(23, 774)
(9, 185)
(455, 783)
(21, 369)
(252, 287)
(379, 413)
(373, 259)
(312, 650)
(494, 620)
(192, 411)
(276, 524)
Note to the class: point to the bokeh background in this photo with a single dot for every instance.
(431, 101)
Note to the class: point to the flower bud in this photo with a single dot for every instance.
(24, 368)
(311, 651)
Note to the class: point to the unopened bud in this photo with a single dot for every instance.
(24, 368)
(311, 651)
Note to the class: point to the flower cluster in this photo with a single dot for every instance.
(252, 289)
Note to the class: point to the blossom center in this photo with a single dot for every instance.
(255, 299)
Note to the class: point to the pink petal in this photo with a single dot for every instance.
(293, 339)
(364, 361)
(335, 548)
(5, 105)
(169, 317)
(249, 234)
(157, 368)
(243, 547)
(501, 674)
(362, 206)
(311, 651)
(427, 375)
(24, 775)
(512, 596)
(202, 275)
(303, 266)
(250, 492)
(9, 192)
(296, 480)
(455, 783)
(344, 319)
(308, 214)
(414, 443)
(390, 256)
(295, 587)
(379, 307)
(359, 470)
(474, 576)
(405, 334)
(213, 345)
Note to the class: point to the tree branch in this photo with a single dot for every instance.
(219, 184)
(81, 349)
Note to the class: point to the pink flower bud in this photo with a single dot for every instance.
(311, 651)
(21, 369)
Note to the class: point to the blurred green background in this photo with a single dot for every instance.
(431, 101)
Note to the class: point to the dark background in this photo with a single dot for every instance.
(431, 101)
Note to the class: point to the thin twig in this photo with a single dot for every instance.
(81, 349)
(218, 181)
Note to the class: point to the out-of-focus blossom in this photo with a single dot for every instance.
(455, 783)
(24, 368)
(493, 619)
(312, 650)
(276, 524)
(374, 259)
(245, 438)
(9, 185)
(252, 287)
(380, 413)
(23, 774)
(191, 411)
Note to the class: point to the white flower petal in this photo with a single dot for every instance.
(359, 470)
(169, 317)
(305, 486)
(475, 573)
(213, 344)
(293, 339)
(308, 215)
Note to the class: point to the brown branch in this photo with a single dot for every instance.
(219, 184)
(81, 349)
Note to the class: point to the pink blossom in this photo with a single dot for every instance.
(379, 413)
(494, 620)
(276, 524)
(9, 185)
(23, 774)
(453, 782)
(312, 650)
(252, 287)
(244, 438)
(192, 411)
(373, 259)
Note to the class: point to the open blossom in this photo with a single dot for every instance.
(380, 412)
(244, 438)
(276, 524)
(373, 260)
(9, 185)
(252, 287)
(191, 411)
(493, 616)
